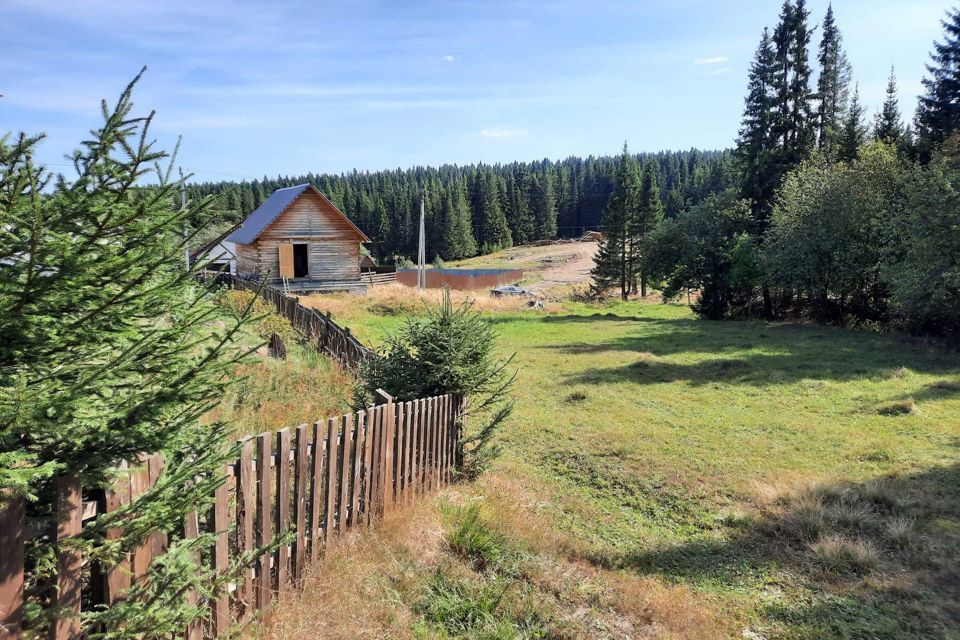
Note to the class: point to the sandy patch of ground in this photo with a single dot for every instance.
(545, 267)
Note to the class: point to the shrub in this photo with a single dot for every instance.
(448, 350)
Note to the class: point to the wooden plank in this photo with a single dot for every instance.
(285, 259)
(246, 507)
(373, 490)
(316, 488)
(69, 561)
(282, 564)
(421, 444)
(264, 517)
(367, 461)
(434, 438)
(451, 412)
(117, 579)
(333, 425)
(154, 469)
(358, 456)
(301, 469)
(139, 484)
(346, 474)
(411, 481)
(427, 442)
(220, 521)
(389, 445)
(191, 529)
(398, 456)
(444, 421)
(13, 524)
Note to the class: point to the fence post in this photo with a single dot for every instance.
(389, 429)
(69, 562)
(12, 525)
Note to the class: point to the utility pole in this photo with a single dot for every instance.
(186, 231)
(422, 249)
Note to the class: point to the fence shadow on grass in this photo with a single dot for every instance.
(879, 558)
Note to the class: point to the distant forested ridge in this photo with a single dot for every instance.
(481, 208)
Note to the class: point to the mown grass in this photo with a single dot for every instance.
(798, 481)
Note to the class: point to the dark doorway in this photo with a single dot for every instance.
(301, 260)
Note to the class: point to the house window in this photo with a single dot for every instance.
(301, 260)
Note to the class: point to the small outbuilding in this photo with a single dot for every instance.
(299, 238)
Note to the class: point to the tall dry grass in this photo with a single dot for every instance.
(395, 299)
(405, 578)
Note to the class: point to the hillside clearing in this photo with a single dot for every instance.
(800, 481)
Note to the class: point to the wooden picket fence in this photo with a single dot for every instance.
(316, 328)
(314, 481)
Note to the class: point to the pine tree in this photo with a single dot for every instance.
(854, 131)
(613, 265)
(938, 113)
(833, 85)
(793, 122)
(522, 222)
(110, 350)
(649, 212)
(494, 230)
(755, 150)
(457, 240)
(544, 207)
(887, 126)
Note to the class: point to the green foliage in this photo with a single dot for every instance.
(924, 271)
(833, 83)
(829, 231)
(617, 257)
(887, 125)
(938, 112)
(448, 350)
(696, 251)
(854, 131)
(108, 352)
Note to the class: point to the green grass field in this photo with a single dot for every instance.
(802, 481)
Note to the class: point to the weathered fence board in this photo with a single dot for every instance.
(314, 327)
(308, 484)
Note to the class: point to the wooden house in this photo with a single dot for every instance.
(300, 239)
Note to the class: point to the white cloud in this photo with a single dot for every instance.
(449, 58)
(713, 60)
(497, 132)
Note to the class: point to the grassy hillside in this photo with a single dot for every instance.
(794, 481)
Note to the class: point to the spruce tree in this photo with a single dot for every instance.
(544, 206)
(755, 152)
(494, 231)
(938, 113)
(110, 349)
(613, 265)
(457, 240)
(522, 223)
(887, 126)
(854, 132)
(833, 84)
(793, 125)
(649, 212)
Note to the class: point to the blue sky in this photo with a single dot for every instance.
(290, 87)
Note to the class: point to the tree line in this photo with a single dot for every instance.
(481, 208)
(830, 215)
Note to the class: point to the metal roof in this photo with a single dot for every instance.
(264, 215)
